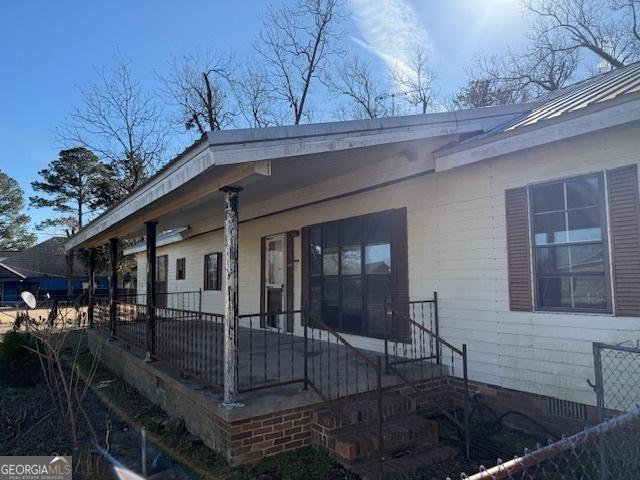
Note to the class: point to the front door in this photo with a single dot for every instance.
(162, 276)
(275, 280)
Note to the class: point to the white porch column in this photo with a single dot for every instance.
(230, 269)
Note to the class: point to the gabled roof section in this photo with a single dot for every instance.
(600, 102)
(46, 259)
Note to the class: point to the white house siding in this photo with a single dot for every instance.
(457, 246)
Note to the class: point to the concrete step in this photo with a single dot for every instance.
(399, 433)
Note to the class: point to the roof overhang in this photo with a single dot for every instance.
(15, 272)
(612, 113)
(241, 157)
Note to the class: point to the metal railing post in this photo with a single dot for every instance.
(437, 328)
(380, 420)
(465, 374)
(386, 338)
(305, 319)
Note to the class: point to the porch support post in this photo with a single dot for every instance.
(230, 269)
(113, 285)
(92, 285)
(151, 290)
(69, 265)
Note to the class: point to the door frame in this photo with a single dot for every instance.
(288, 291)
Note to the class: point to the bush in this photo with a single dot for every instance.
(19, 366)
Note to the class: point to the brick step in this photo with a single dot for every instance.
(398, 433)
(339, 416)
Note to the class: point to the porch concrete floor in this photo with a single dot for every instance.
(270, 362)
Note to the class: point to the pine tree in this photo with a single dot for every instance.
(73, 186)
(13, 223)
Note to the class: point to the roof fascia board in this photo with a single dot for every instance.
(584, 121)
(221, 138)
(118, 216)
(284, 146)
(12, 270)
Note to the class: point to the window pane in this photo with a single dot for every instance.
(330, 234)
(584, 192)
(330, 261)
(315, 298)
(554, 292)
(584, 224)
(377, 228)
(351, 261)
(352, 231)
(330, 307)
(379, 286)
(548, 198)
(552, 260)
(275, 262)
(352, 304)
(549, 228)
(587, 258)
(589, 292)
(378, 259)
(579, 258)
(315, 247)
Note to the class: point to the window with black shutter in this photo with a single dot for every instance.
(181, 268)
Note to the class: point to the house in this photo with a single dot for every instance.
(317, 249)
(41, 269)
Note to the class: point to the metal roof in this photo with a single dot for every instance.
(600, 88)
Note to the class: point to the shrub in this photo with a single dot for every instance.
(19, 366)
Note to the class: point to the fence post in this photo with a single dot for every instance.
(92, 285)
(436, 327)
(385, 316)
(150, 296)
(465, 374)
(599, 386)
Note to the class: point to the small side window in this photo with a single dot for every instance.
(181, 266)
(213, 271)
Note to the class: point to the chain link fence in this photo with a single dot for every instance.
(617, 372)
(607, 451)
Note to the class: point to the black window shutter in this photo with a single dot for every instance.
(624, 213)
(518, 249)
(400, 273)
(289, 292)
(219, 271)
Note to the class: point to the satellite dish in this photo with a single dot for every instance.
(29, 299)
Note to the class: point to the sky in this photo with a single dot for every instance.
(51, 49)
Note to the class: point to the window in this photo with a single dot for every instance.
(181, 266)
(350, 272)
(213, 271)
(570, 261)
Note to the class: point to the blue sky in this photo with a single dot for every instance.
(50, 48)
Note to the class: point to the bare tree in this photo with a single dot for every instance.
(255, 98)
(606, 28)
(199, 85)
(296, 42)
(566, 36)
(365, 94)
(545, 65)
(416, 80)
(122, 124)
(483, 93)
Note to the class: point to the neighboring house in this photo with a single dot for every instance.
(41, 269)
(523, 218)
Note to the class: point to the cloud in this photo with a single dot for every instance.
(390, 30)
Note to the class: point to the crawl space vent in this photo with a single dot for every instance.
(567, 409)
